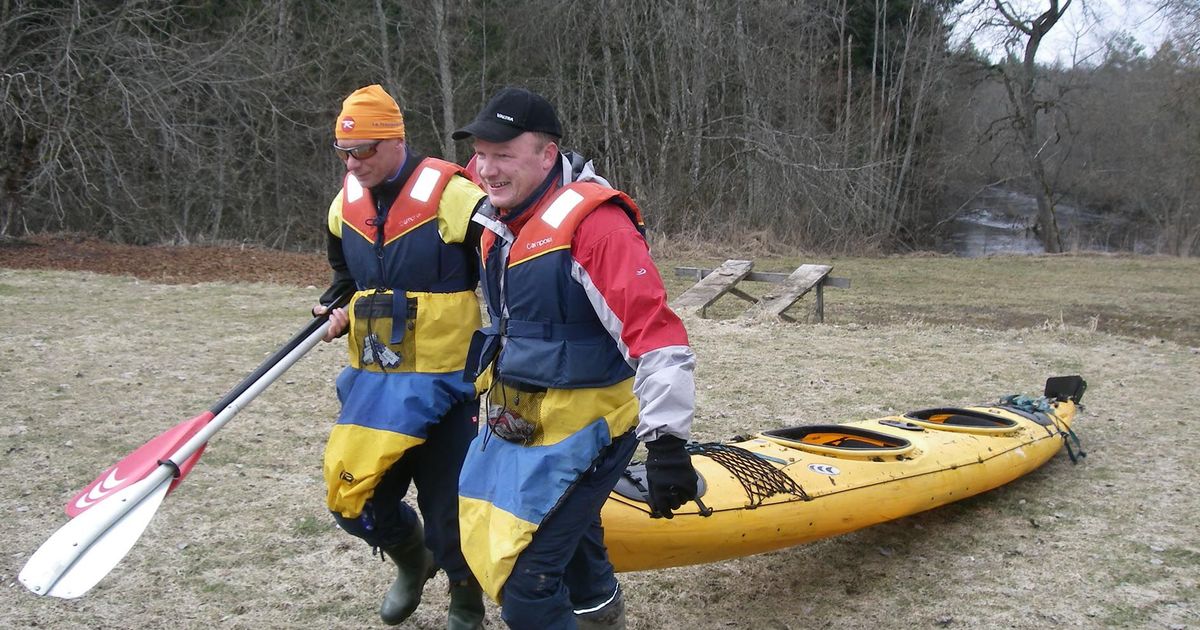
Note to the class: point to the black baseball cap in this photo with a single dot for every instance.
(510, 113)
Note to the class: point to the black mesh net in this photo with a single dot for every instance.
(760, 479)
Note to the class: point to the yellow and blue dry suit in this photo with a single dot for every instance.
(584, 358)
(406, 412)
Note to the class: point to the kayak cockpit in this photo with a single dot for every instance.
(839, 441)
(633, 485)
(962, 421)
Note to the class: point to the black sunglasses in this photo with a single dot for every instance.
(360, 152)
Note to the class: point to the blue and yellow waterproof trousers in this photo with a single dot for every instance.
(565, 569)
(433, 467)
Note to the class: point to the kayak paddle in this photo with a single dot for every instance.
(111, 513)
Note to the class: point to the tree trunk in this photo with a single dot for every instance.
(385, 50)
(1021, 95)
(441, 42)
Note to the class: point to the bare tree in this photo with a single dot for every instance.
(442, 35)
(1021, 82)
(1184, 18)
(798, 120)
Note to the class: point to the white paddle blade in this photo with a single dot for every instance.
(88, 547)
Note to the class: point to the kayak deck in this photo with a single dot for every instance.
(788, 486)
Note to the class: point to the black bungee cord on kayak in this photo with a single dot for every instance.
(759, 479)
(1041, 405)
(1068, 437)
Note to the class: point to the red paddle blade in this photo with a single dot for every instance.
(140, 463)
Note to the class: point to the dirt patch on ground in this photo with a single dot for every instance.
(166, 264)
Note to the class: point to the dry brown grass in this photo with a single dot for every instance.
(1137, 296)
(96, 365)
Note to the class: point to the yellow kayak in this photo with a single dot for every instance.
(785, 487)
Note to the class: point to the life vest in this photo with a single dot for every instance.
(415, 309)
(406, 252)
(551, 335)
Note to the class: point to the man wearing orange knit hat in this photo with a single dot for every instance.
(399, 240)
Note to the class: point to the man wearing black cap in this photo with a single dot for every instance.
(583, 358)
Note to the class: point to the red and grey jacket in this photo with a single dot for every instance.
(576, 302)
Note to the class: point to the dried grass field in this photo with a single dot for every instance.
(95, 365)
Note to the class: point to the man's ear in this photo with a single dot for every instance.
(549, 155)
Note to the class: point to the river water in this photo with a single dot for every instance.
(1001, 221)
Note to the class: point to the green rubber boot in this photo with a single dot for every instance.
(414, 567)
(466, 606)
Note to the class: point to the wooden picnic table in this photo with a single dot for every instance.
(712, 284)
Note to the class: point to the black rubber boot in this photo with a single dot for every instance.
(466, 606)
(611, 617)
(414, 567)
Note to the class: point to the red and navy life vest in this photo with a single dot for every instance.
(405, 253)
(552, 337)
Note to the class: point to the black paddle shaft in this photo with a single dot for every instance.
(279, 354)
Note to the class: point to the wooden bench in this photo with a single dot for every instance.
(712, 284)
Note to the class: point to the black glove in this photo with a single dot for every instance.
(670, 475)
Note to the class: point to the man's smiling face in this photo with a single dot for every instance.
(511, 171)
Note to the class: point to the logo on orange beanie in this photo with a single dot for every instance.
(369, 114)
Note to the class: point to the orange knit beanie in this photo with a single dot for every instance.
(369, 114)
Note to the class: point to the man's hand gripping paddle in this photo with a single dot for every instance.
(110, 514)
